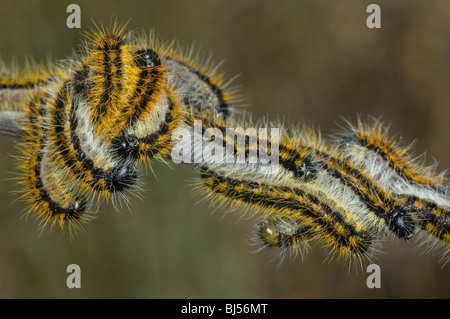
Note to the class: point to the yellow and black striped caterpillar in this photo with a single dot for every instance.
(85, 126)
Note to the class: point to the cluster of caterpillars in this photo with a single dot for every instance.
(85, 126)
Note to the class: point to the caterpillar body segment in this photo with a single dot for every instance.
(369, 146)
(10, 122)
(372, 137)
(17, 88)
(51, 200)
(17, 83)
(199, 89)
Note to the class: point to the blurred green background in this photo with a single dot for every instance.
(301, 61)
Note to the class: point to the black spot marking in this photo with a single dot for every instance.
(401, 223)
(146, 58)
(81, 84)
(120, 178)
(125, 146)
(307, 169)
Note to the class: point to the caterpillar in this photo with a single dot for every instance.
(86, 126)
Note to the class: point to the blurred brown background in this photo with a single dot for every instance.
(303, 61)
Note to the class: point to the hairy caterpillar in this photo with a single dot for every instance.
(86, 126)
